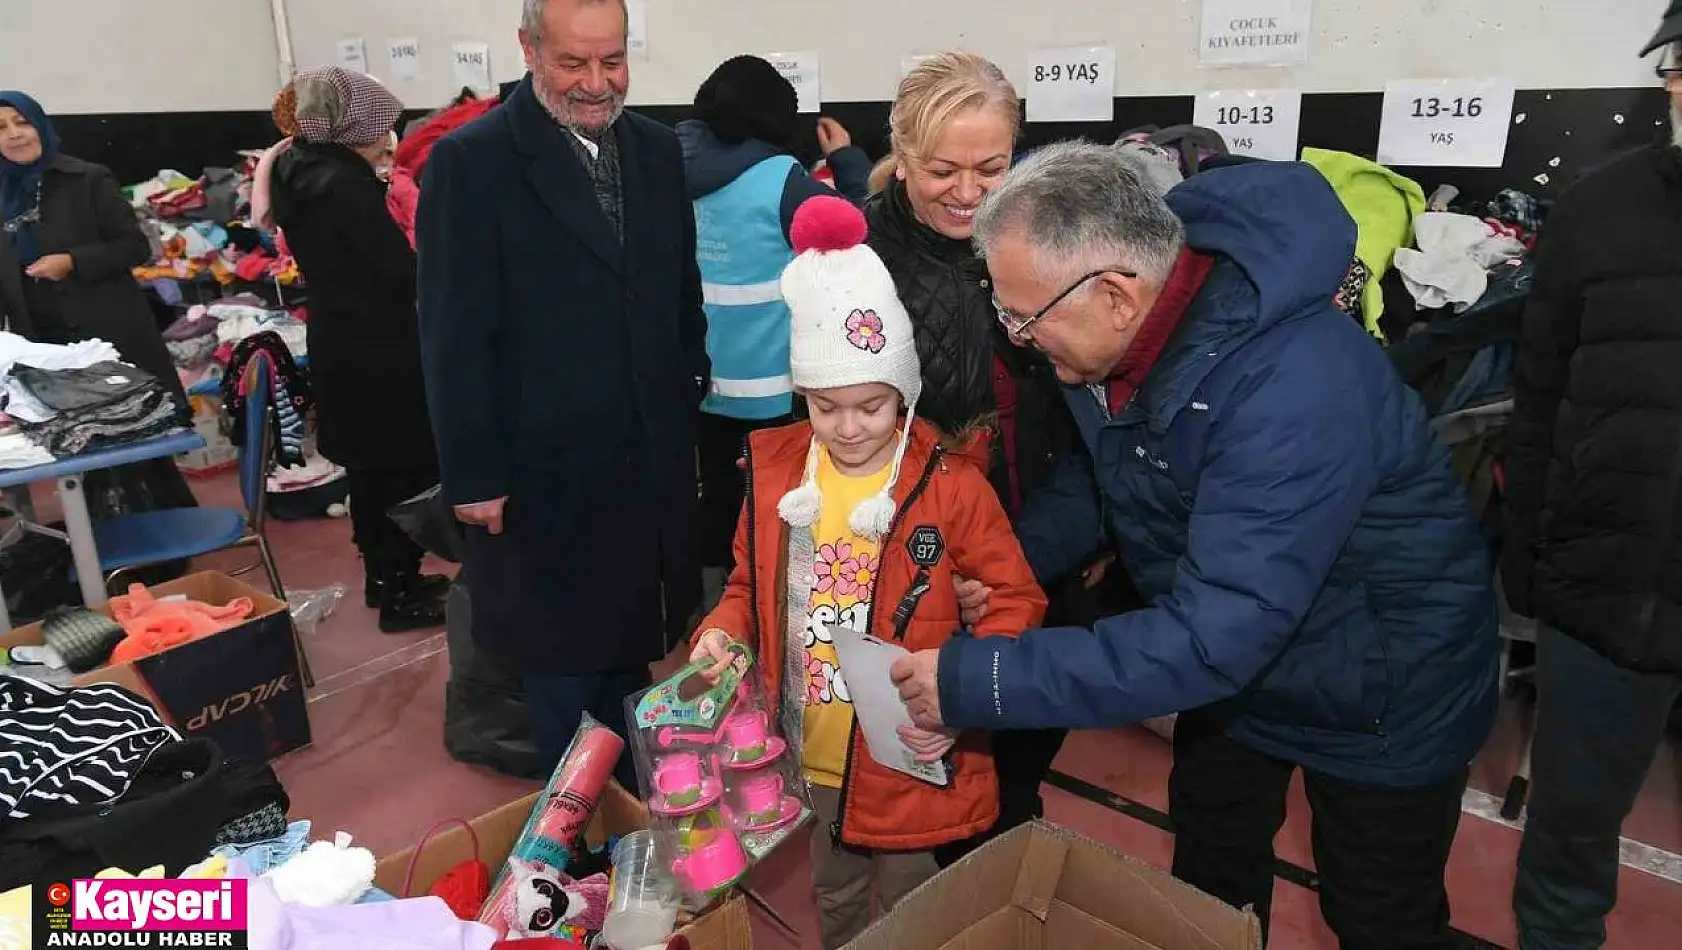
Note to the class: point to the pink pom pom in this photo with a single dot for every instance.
(827, 223)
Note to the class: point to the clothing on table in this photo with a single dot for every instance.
(20, 403)
(845, 566)
(18, 450)
(842, 876)
(81, 745)
(1380, 853)
(558, 702)
(720, 442)
(386, 548)
(155, 625)
(266, 821)
(1383, 205)
(1597, 728)
(265, 854)
(1451, 259)
(143, 415)
(237, 322)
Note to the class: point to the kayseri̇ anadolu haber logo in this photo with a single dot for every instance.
(145, 912)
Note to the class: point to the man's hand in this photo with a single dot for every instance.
(1094, 573)
(832, 136)
(53, 267)
(485, 514)
(972, 600)
(714, 645)
(915, 677)
(928, 746)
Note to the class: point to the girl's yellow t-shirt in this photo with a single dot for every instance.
(845, 568)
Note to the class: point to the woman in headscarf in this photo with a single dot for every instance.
(328, 196)
(68, 243)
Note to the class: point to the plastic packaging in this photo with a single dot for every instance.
(723, 790)
(535, 870)
(310, 607)
(641, 909)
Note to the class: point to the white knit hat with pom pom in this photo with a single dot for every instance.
(848, 327)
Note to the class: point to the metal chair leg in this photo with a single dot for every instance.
(280, 592)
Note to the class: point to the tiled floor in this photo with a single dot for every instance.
(378, 769)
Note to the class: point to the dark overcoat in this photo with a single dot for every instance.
(564, 369)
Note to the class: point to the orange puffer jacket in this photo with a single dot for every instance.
(942, 496)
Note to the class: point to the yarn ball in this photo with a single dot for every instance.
(827, 223)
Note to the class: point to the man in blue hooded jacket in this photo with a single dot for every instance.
(1320, 597)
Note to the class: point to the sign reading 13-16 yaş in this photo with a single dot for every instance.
(1261, 123)
(1072, 85)
(1455, 122)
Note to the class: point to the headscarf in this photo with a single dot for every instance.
(20, 185)
(338, 107)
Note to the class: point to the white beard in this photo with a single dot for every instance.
(1675, 124)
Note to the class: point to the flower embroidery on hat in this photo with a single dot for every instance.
(864, 330)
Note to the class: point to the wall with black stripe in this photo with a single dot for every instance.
(1563, 132)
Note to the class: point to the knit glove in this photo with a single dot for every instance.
(83, 638)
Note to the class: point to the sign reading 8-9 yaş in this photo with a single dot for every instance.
(1072, 85)
(1446, 122)
(1261, 123)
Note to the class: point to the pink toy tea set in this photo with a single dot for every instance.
(722, 790)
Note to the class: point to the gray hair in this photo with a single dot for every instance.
(531, 14)
(1081, 207)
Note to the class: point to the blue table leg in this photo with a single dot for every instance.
(79, 526)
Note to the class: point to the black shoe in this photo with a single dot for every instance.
(431, 585)
(404, 606)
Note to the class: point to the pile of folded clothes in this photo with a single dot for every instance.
(94, 407)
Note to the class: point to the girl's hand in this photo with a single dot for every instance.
(832, 136)
(714, 645)
(928, 745)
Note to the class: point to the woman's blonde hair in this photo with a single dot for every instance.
(939, 88)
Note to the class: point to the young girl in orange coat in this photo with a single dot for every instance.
(862, 518)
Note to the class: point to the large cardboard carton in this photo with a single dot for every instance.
(240, 687)
(724, 927)
(1041, 887)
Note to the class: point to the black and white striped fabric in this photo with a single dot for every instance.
(72, 745)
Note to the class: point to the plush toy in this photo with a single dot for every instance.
(547, 903)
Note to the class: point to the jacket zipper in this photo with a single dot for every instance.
(853, 732)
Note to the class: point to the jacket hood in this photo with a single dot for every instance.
(710, 163)
(1279, 222)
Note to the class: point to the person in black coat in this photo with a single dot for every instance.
(364, 334)
(1593, 541)
(68, 243)
(954, 125)
(565, 351)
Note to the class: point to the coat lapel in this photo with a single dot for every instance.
(633, 187)
(560, 179)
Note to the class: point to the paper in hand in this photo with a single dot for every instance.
(865, 662)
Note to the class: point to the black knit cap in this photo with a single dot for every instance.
(746, 98)
(1670, 28)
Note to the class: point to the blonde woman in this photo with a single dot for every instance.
(953, 131)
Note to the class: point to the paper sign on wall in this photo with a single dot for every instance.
(636, 27)
(801, 70)
(1254, 33)
(1261, 123)
(1456, 122)
(1076, 84)
(353, 55)
(472, 65)
(402, 58)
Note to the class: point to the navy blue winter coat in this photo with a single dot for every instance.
(1275, 492)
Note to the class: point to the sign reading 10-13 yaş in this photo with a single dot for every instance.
(1261, 123)
(1454, 122)
(1072, 85)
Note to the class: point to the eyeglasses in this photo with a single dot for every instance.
(1014, 323)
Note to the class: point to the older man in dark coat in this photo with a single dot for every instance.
(564, 346)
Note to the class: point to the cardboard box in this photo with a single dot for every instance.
(1041, 887)
(218, 454)
(724, 927)
(240, 687)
